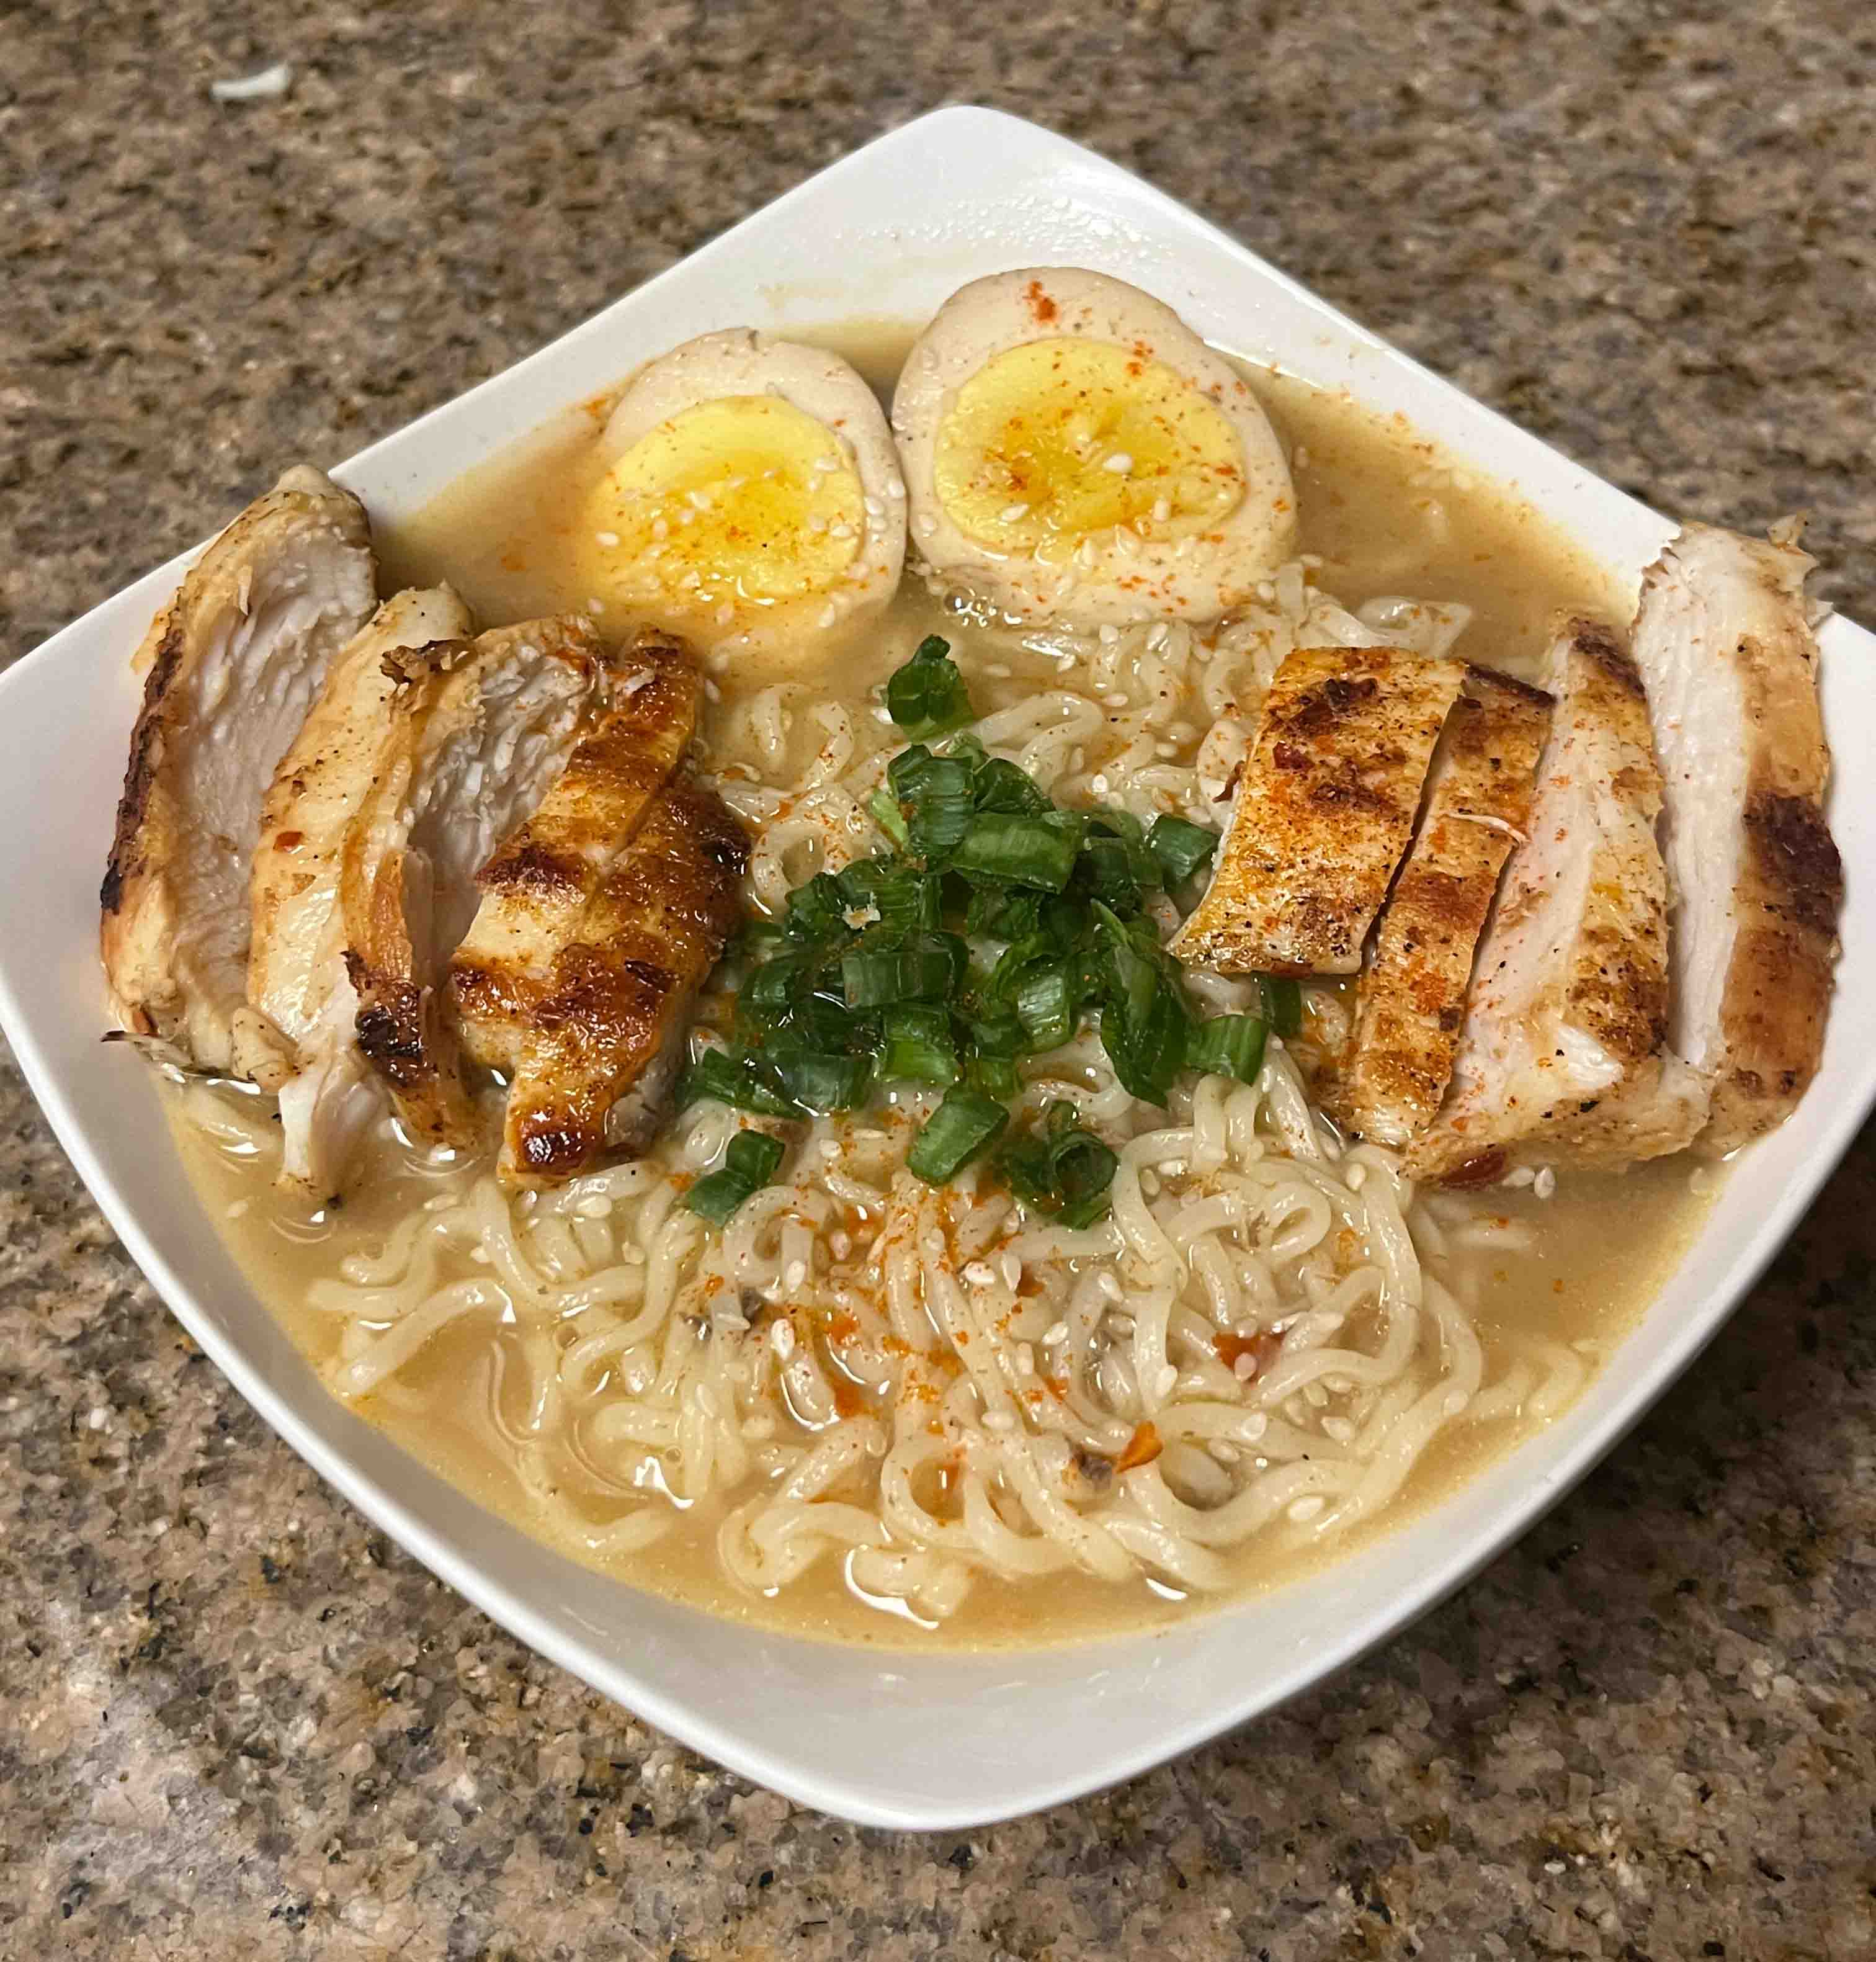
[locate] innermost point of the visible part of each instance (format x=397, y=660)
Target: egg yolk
x=1058, y=440
x=743, y=501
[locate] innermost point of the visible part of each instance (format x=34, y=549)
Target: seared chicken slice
x=1563, y=1046
x=1723, y=642
x=296, y=971
x=535, y=889
x=600, y=918
x=230, y=668
x=1324, y=808
x=1413, y=996
x=478, y=733
x=606, y=1036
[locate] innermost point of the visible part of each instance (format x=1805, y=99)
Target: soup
x=869, y=1408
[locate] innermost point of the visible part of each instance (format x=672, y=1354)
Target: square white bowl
x=905, y=1740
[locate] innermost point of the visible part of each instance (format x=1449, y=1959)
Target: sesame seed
x=1120, y=463
x=609, y=539
x=794, y=1274
x=1165, y=1383
x=998, y=1420
x=1011, y=512
x=980, y=1274
x=1306, y=1510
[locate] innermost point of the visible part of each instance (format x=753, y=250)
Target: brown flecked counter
x=233, y=1719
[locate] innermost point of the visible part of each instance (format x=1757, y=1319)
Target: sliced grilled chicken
x=600, y=917
x=296, y=971
x=1413, y=996
x=1563, y=1048
x=1323, y=811
x=1723, y=642
x=230, y=668
x=535, y=891
x=607, y=1034
x=478, y=733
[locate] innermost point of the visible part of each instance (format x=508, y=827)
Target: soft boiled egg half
x=751, y=496
x=1073, y=453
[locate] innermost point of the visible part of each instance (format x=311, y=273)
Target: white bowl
x=889, y=1739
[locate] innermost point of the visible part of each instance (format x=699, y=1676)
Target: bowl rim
x=507, y=404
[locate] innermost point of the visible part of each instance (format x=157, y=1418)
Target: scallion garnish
x=1060, y=1168
x=729, y=1080
x=1283, y=1004
x=1027, y=850
x=966, y=1122
x=920, y=1045
x=753, y=1158
x=1228, y=1045
x=1180, y=848
x=927, y=695
x=991, y=929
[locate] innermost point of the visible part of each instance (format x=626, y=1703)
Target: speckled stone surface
x=234, y=1721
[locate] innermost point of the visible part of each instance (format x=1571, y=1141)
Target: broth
x=1385, y=514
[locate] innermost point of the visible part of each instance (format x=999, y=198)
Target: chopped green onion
x=772, y=988
x=1109, y=872
x=935, y=793
x=1283, y=1004
x=1148, y=1050
x=717, y=1074
x=1005, y=786
x=1228, y=1045
x=752, y=1160
x=926, y=968
x=820, y=1081
x=883, y=808
x=1003, y=913
x=995, y=1075
x=965, y=1123
x=902, y=897
x=1180, y=848
x=919, y=1047
x=815, y=909
x=1061, y=1167
x=1027, y=851
x=928, y=695
x=1044, y=1005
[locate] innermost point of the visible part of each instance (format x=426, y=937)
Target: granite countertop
x=233, y=1719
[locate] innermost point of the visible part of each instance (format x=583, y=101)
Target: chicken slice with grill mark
x=534, y=891
x=600, y=918
x=296, y=971
x=1563, y=1050
x=606, y=1037
x=478, y=733
x=1324, y=809
x=1723, y=642
x=1413, y=996
x=230, y=670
